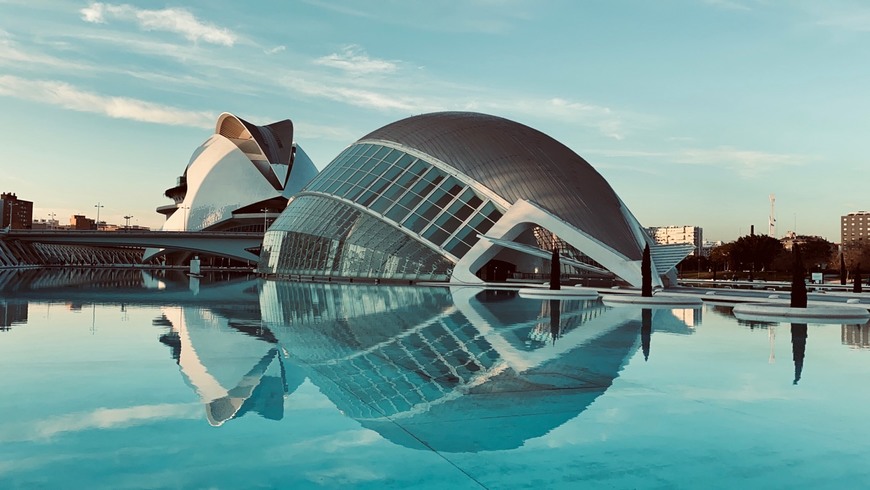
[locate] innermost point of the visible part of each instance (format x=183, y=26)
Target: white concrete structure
x=238, y=180
x=239, y=174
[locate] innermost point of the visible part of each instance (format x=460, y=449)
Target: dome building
x=458, y=196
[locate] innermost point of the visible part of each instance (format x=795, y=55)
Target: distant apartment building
x=708, y=247
x=666, y=235
x=855, y=226
x=15, y=213
x=81, y=222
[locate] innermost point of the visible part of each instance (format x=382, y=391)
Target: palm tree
x=798, y=286
x=646, y=274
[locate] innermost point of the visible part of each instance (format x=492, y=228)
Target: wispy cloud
x=340, y=441
x=478, y=16
x=307, y=131
x=606, y=121
x=69, y=97
x=853, y=18
x=356, y=96
x=353, y=59
x=13, y=55
x=747, y=163
x=102, y=418
x=275, y=50
x=174, y=20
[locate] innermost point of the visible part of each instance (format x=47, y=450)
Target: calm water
x=125, y=380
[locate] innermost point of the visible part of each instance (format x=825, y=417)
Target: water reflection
x=12, y=313
x=646, y=332
x=405, y=360
x=80, y=287
x=857, y=336
x=459, y=370
x=230, y=361
x=798, y=348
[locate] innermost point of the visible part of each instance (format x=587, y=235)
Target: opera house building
x=460, y=197
x=237, y=179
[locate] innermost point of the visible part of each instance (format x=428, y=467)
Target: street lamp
x=127, y=226
x=98, y=206
x=265, y=218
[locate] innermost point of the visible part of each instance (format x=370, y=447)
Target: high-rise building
x=855, y=226
x=15, y=213
x=667, y=235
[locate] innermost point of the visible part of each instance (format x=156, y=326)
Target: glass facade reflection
x=378, y=212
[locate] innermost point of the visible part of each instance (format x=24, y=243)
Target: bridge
x=225, y=244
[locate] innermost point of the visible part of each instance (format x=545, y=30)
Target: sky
x=695, y=111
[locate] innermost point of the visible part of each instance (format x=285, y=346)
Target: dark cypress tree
x=842, y=269
x=798, y=286
x=555, y=271
x=646, y=274
x=856, y=288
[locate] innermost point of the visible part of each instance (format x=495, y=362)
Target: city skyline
x=686, y=107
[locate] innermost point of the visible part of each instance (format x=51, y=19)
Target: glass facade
x=318, y=236
x=441, y=217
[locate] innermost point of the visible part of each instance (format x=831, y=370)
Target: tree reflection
x=798, y=348
x=646, y=331
x=555, y=320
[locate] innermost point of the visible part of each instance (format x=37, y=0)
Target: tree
x=646, y=274
x=755, y=252
x=555, y=271
x=842, y=269
x=816, y=251
x=720, y=256
x=857, y=253
x=798, y=286
x=856, y=288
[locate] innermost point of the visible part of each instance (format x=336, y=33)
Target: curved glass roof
x=518, y=162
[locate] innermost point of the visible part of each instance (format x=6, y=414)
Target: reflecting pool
x=124, y=379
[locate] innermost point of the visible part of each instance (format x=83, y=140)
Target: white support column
x=523, y=215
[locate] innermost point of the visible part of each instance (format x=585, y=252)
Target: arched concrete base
x=569, y=292
x=811, y=314
x=657, y=301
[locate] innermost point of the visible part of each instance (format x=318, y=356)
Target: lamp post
x=265, y=227
x=98, y=206
x=127, y=226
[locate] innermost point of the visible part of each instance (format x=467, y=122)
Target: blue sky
x=695, y=111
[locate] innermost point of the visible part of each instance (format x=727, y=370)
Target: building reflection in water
x=857, y=336
x=12, y=313
x=231, y=362
x=462, y=370
x=798, y=348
